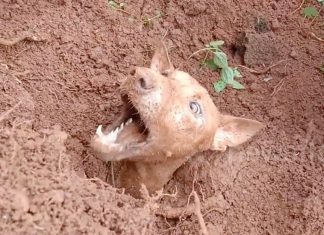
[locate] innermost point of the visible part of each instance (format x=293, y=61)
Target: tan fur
x=175, y=132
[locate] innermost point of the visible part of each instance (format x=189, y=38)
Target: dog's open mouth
x=128, y=128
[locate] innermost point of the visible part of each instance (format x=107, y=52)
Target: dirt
x=61, y=81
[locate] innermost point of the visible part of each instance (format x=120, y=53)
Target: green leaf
x=321, y=68
x=113, y=4
x=321, y=2
x=236, y=85
x=116, y=5
x=310, y=11
x=219, y=86
x=211, y=64
x=220, y=59
x=227, y=75
x=237, y=73
x=216, y=44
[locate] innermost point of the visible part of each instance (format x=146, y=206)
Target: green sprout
x=148, y=21
x=219, y=61
x=321, y=68
x=310, y=11
x=115, y=5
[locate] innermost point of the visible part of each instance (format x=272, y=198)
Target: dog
x=167, y=118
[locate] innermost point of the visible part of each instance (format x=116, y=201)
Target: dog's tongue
x=131, y=134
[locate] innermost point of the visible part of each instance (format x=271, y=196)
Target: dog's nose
x=145, y=83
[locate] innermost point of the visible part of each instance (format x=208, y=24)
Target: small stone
x=293, y=54
x=275, y=25
x=254, y=87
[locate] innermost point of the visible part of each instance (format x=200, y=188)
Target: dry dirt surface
x=61, y=63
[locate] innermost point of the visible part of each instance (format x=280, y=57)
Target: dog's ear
x=161, y=61
x=234, y=131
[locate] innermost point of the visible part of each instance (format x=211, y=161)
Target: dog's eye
x=195, y=107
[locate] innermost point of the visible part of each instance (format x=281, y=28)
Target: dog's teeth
x=129, y=121
x=121, y=127
x=99, y=131
x=111, y=137
x=114, y=137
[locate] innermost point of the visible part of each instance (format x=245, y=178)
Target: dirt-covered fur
x=168, y=117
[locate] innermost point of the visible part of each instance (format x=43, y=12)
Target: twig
x=177, y=212
x=194, y=180
x=126, y=12
x=199, y=215
x=310, y=129
x=11, y=42
x=298, y=8
x=181, y=212
x=147, y=20
x=196, y=52
x=158, y=194
x=277, y=88
x=316, y=37
x=204, y=60
x=112, y=173
x=38, y=227
x=319, y=13
x=55, y=95
x=166, y=32
x=209, y=211
x=19, y=53
x=265, y=70
x=6, y=113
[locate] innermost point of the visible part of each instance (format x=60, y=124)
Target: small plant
x=115, y=5
x=148, y=21
x=310, y=11
x=321, y=68
x=219, y=61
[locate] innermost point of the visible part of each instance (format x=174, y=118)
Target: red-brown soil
x=58, y=84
